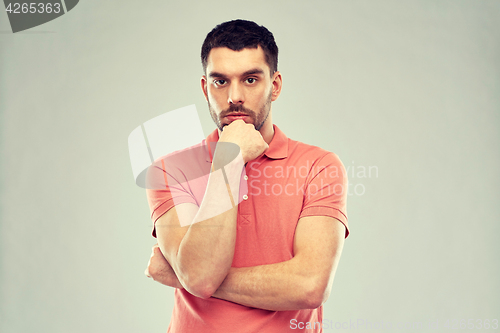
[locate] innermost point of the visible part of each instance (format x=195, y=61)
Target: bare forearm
x=206, y=251
x=303, y=282
x=276, y=287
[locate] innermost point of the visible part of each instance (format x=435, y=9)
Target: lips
x=236, y=115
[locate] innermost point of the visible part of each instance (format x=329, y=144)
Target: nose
x=236, y=95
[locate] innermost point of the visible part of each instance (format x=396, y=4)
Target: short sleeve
x=326, y=190
x=166, y=187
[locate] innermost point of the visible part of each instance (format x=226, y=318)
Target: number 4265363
x=33, y=7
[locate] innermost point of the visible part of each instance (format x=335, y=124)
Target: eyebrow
x=249, y=72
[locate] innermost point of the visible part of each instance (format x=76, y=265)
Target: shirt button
x=245, y=197
x=245, y=177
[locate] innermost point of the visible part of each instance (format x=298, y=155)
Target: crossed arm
x=303, y=282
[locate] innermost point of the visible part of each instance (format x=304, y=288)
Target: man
x=265, y=264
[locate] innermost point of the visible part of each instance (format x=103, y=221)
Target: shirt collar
x=278, y=148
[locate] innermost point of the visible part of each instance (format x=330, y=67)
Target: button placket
x=244, y=208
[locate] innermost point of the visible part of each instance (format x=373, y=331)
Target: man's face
x=238, y=85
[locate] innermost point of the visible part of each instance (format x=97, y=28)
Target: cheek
x=264, y=91
x=215, y=97
x=263, y=96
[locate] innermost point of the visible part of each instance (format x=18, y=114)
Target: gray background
x=410, y=88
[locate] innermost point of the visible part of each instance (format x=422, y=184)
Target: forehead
x=229, y=62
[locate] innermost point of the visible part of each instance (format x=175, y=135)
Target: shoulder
x=304, y=151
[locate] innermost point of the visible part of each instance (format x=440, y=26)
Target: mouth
x=237, y=115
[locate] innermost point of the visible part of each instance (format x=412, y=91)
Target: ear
x=204, y=86
x=277, y=84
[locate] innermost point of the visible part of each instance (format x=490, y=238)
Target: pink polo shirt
x=291, y=180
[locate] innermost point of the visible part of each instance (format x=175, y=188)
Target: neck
x=267, y=130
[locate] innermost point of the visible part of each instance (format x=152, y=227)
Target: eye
x=220, y=82
x=251, y=80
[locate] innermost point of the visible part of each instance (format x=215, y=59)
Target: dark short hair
x=238, y=35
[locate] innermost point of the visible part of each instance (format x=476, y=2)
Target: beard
x=258, y=119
